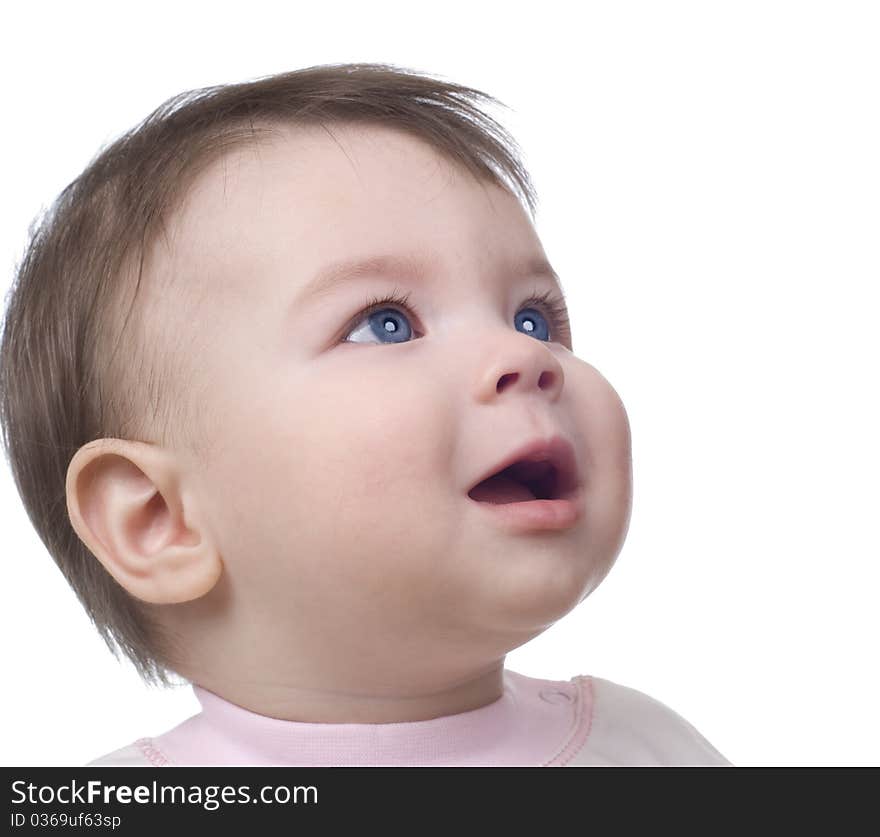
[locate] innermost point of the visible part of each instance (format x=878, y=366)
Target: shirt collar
x=530, y=724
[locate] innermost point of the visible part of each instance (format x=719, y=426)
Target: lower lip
x=537, y=515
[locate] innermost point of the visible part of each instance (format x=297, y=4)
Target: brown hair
x=63, y=379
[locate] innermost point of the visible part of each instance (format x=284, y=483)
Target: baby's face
x=343, y=446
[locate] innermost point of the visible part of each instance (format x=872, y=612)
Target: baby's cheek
x=600, y=418
x=388, y=435
x=602, y=430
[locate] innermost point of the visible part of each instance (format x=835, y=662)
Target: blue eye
x=383, y=321
x=531, y=324
x=390, y=325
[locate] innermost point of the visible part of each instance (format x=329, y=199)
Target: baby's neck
x=291, y=702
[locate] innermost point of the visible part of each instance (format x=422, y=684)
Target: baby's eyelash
x=549, y=302
x=393, y=299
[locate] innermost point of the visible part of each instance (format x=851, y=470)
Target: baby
x=289, y=393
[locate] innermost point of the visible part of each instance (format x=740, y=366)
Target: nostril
x=546, y=380
x=504, y=380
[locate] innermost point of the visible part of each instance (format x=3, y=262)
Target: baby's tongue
x=501, y=489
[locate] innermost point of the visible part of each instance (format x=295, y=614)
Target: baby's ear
x=126, y=504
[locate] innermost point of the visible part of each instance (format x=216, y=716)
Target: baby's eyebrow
x=403, y=267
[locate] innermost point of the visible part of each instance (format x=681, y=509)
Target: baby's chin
x=533, y=604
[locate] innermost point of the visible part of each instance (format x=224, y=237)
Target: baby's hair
x=70, y=373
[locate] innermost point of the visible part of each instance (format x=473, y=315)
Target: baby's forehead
x=297, y=184
x=342, y=156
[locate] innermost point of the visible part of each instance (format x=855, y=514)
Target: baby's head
x=256, y=359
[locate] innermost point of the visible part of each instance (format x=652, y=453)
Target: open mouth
x=540, y=470
x=519, y=483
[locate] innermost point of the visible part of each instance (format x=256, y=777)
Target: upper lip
x=556, y=450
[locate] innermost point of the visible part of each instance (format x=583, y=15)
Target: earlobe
x=125, y=503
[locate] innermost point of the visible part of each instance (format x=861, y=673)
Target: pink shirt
x=549, y=723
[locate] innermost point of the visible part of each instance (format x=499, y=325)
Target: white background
x=709, y=193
